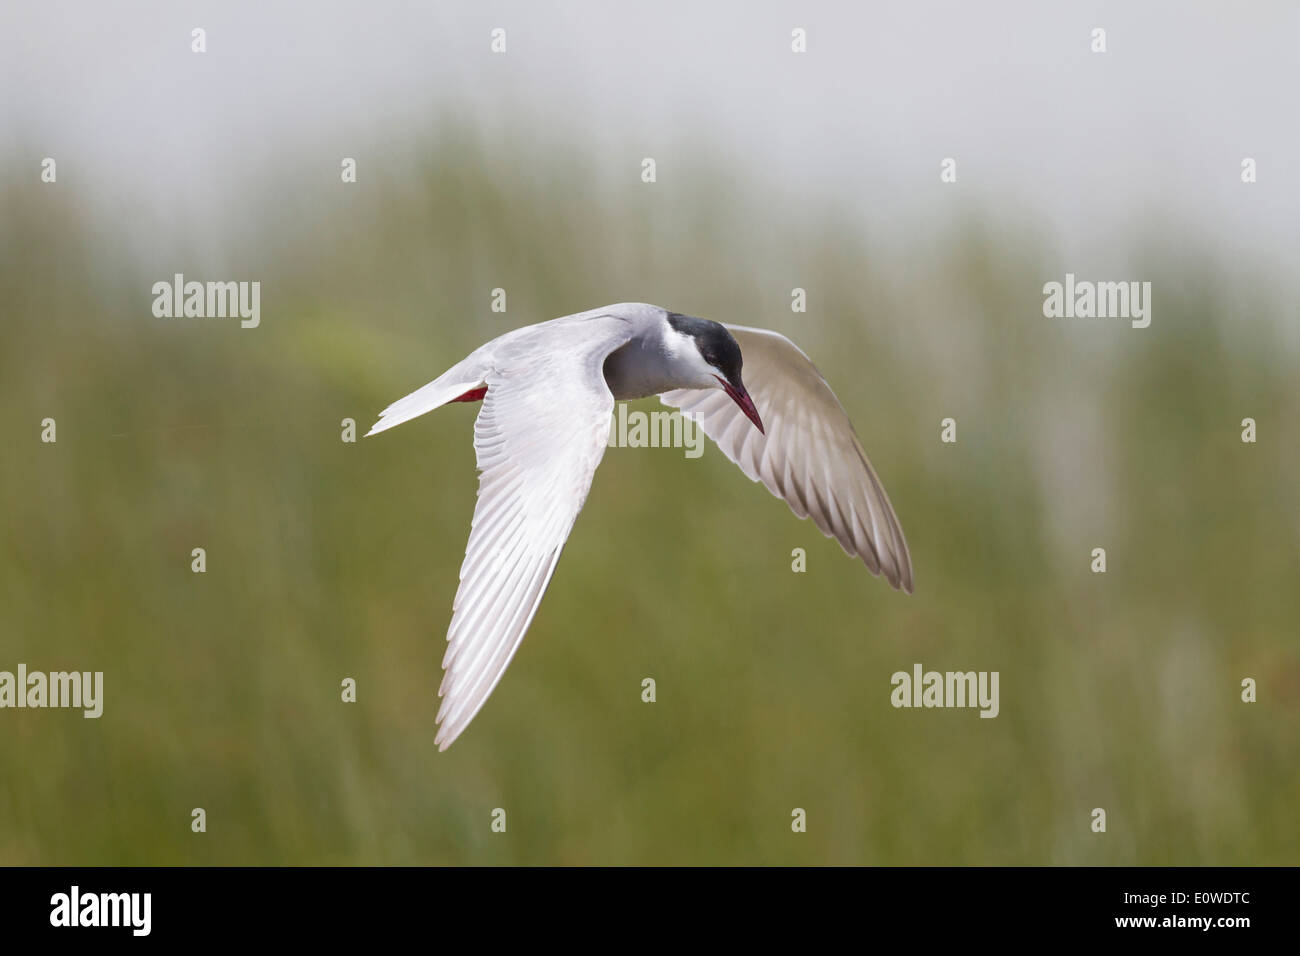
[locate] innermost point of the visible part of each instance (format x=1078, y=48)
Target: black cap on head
x=714, y=342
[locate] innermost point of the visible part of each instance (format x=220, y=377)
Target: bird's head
x=713, y=357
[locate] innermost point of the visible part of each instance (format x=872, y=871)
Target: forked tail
x=460, y=383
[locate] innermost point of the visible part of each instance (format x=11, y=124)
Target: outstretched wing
x=810, y=455
x=539, y=437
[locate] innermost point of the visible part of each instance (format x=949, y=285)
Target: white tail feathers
x=438, y=392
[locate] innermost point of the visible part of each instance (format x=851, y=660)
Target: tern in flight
x=548, y=391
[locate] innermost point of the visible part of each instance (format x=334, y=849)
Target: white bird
x=548, y=391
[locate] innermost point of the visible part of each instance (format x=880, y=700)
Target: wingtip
x=900, y=579
x=904, y=585
x=445, y=738
x=904, y=582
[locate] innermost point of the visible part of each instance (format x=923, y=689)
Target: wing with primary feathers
x=538, y=438
x=810, y=456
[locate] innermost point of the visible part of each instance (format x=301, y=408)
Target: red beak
x=741, y=398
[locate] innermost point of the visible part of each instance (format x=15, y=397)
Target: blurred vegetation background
x=329, y=560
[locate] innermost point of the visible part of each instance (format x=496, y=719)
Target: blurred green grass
x=329, y=560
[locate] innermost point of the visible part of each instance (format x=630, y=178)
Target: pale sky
x=1087, y=146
